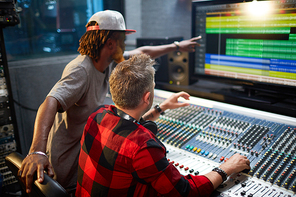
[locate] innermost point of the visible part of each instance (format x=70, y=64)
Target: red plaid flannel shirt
x=122, y=158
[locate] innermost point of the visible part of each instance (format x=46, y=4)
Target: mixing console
x=206, y=133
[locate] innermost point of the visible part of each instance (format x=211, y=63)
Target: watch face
x=157, y=108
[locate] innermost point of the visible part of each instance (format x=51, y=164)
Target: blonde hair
x=131, y=79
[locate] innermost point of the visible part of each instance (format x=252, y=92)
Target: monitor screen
x=251, y=41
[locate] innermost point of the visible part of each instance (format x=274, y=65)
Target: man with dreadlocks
x=82, y=88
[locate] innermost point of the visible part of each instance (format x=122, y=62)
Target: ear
x=111, y=44
x=146, y=97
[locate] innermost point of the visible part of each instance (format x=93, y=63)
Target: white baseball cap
x=109, y=20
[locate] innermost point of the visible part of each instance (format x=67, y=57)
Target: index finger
x=196, y=38
x=185, y=95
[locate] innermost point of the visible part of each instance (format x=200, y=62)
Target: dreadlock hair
x=92, y=42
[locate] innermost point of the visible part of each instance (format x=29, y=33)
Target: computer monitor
x=250, y=43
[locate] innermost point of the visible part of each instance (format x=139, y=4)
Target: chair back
x=48, y=188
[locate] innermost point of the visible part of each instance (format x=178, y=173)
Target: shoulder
x=102, y=109
x=81, y=62
x=145, y=138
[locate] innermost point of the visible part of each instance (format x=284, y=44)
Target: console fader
x=206, y=133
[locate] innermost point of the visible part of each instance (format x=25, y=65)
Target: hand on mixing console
x=31, y=164
x=235, y=164
x=172, y=101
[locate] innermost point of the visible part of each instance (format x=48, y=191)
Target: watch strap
x=159, y=110
x=222, y=173
x=177, y=45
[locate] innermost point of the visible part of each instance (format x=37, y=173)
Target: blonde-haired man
x=120, y=156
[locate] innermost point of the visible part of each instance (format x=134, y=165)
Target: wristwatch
x=157, y=108
x=177, y=45
x=221, y=172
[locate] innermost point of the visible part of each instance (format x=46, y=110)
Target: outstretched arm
x=169, y=103
x=157, y=51
x=38, y=162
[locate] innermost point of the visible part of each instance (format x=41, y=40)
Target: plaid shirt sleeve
x=151, y=166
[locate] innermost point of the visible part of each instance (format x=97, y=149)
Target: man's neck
x=135, y=113
x=101, y=64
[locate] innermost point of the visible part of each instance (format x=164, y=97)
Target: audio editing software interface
x=207, y=133
x=250, y=41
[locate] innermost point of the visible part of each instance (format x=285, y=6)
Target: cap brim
x=130, y=31
x=96, y=27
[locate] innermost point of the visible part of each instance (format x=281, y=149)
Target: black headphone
x=148, y=124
